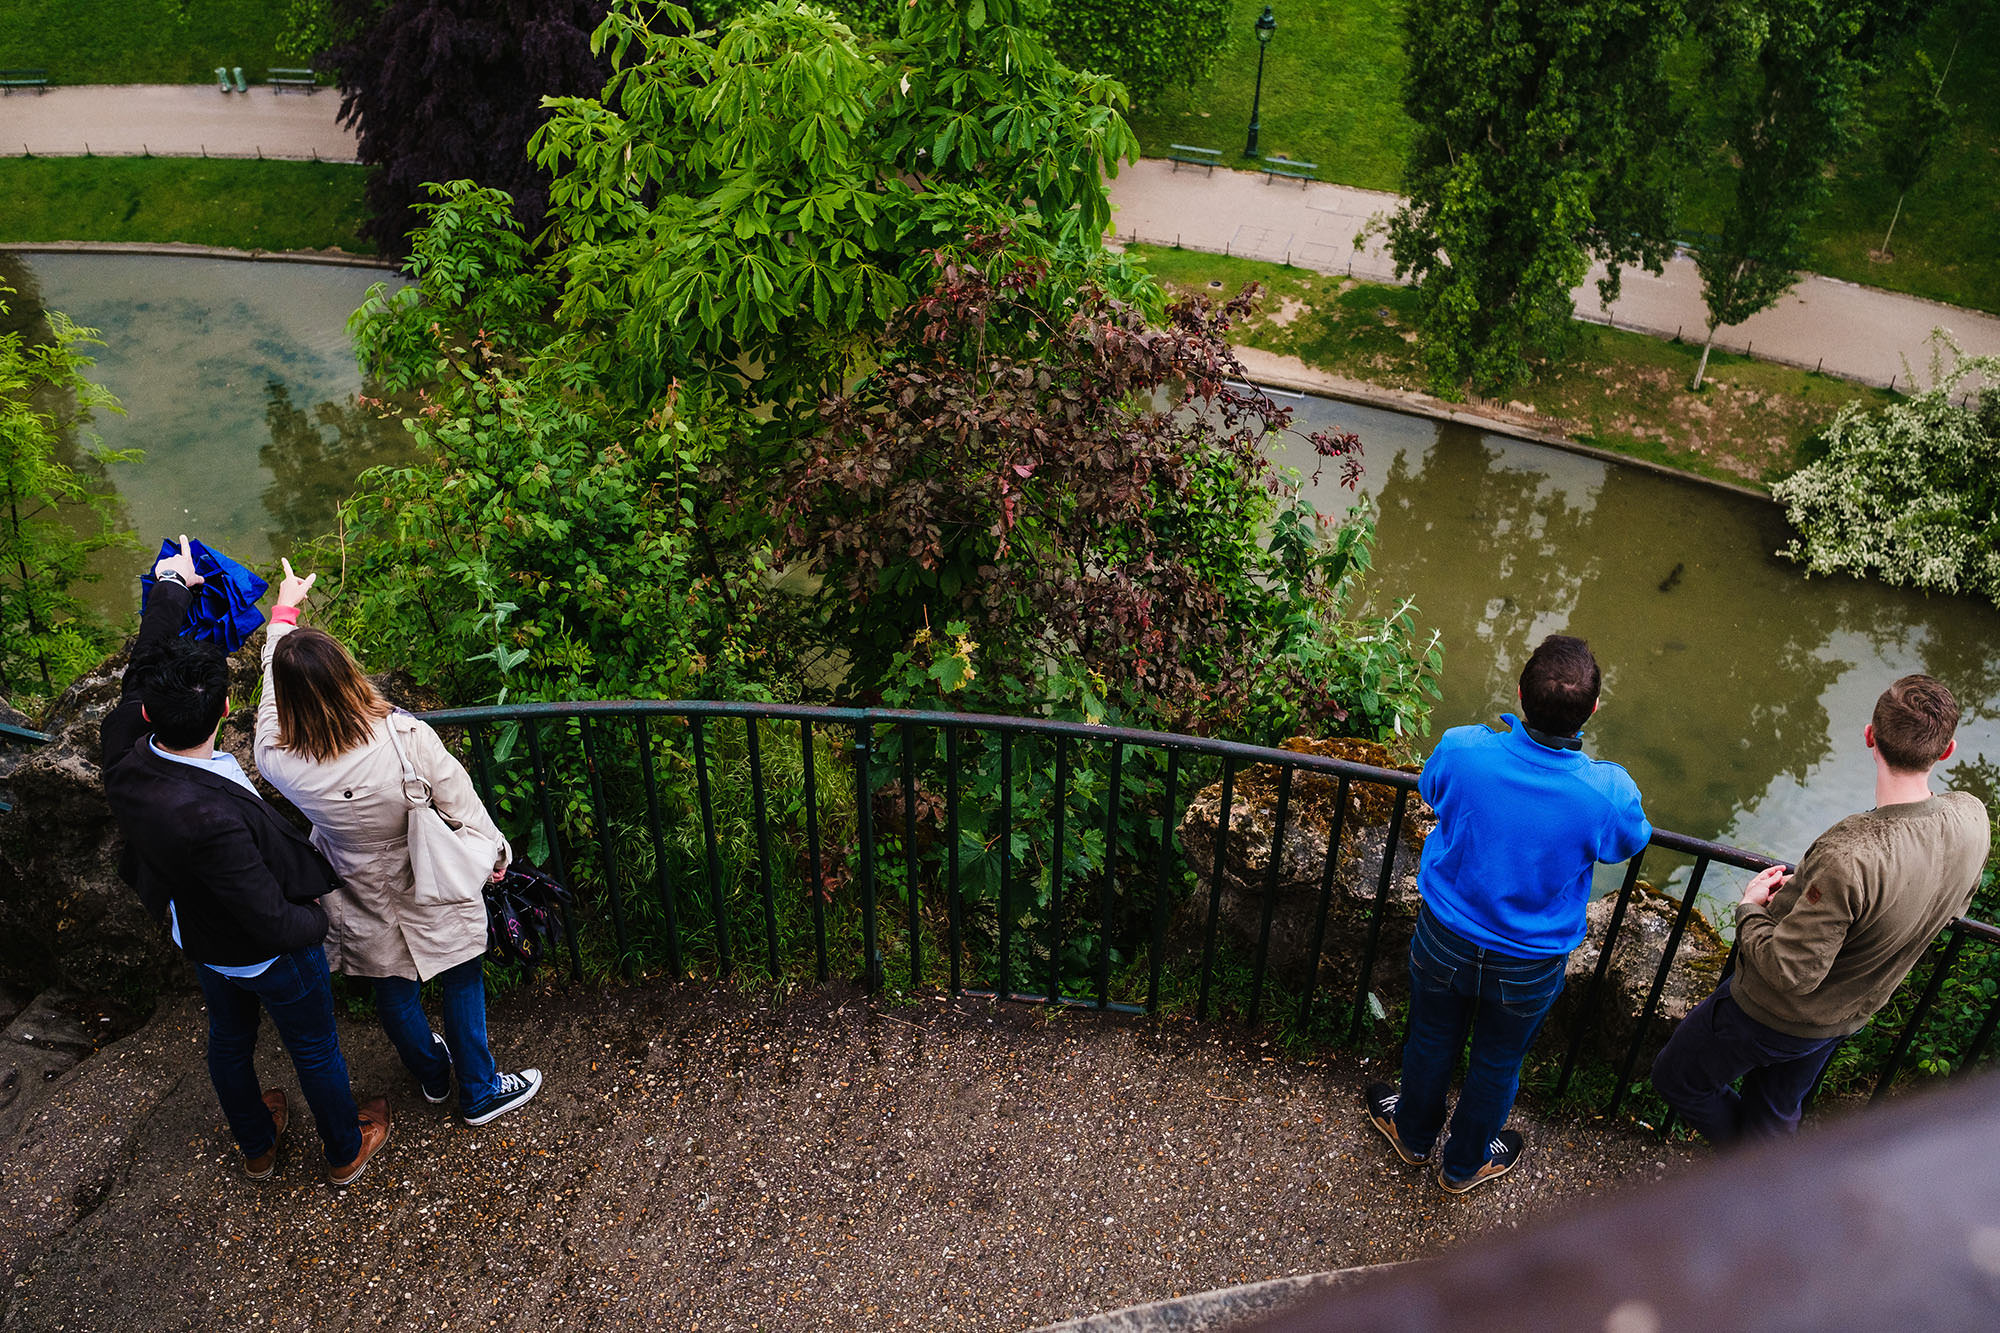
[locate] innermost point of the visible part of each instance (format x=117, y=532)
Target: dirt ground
x=706, y=1160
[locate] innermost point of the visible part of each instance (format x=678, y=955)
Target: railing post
x=1652, y=1004
x=1326, y=878
x=554, y=836
x=756, y=751
x=1589, y=1006
x=1061, y=799
x=1382, y=887
x=660, y=871
x=711, y=847
x=1162, y=882
x=954, y=902
x=606, y=850
x=1218, y=868
x=1004, y=928
x=1901, y=1050
x=816, y=886
x=1270, y=893
x=864, y=824
x=908, y=734
x=1107, y=882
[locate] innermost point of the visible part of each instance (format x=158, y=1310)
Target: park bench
x=1301, y=172
x=1187, y=153
x=301, y=80
x=10, y=79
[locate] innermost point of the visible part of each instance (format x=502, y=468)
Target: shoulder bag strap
x=410, y=774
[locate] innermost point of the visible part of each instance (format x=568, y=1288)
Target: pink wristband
x=284, y=615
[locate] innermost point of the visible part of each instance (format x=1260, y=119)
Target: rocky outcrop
x=1303, y=870
x=1642, y=938
x=1302, y=867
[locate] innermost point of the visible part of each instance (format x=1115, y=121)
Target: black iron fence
x=1038, y=861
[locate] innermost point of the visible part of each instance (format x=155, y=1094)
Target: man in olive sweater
x=1819, y=951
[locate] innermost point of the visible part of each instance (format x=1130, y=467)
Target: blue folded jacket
x=225, y=605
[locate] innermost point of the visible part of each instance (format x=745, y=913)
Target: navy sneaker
x=515, y=1089
x=443, y=1089
x=1382, y=1100
x=1502, y=1153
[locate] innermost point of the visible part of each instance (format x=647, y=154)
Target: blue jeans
x=399, y=1006
x=1716, y=1044
x=294, y=990
x=1454, y=986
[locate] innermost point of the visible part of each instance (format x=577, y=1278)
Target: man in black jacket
x=236, y=886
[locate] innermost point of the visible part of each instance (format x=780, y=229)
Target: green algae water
x=239, y=384
x=1735, y=687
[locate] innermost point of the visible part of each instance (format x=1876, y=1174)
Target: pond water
x=1735, y=688
x=239, y=384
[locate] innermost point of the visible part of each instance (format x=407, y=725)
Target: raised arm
x=166, y=614
x=292, y=593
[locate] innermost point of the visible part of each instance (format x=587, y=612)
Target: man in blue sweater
x=1523, y=817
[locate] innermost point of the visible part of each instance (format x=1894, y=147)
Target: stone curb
x=178, y=250
x=1225, y=1307
x=1273, y=371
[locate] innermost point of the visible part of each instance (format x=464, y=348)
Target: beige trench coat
x=375, y=925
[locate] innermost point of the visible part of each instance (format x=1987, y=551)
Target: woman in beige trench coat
x=324, y=740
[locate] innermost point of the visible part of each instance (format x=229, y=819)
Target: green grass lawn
x=140, y=41
x=1616, y=389
x=203, y=201
x=1333, y=95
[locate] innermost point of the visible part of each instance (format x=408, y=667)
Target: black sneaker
x=1382, y=1100
x=1501, y=1155
x=515, y=1089
x=443, y=1090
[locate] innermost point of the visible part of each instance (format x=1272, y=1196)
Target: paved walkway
x=1860, y=332
x=708, y=1160
x=176, y=120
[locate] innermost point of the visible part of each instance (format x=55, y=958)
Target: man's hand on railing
x=1767, y=882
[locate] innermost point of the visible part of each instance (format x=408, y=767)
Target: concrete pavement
x=1859, y=332
x=176, y=120
x=1862, y=333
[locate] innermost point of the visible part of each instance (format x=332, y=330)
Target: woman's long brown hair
x=326, y=706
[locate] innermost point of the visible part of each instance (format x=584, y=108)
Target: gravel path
x=707, y=1160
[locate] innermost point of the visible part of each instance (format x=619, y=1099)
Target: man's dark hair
x=1559, y=685
x=186, y=693
x=1914, y=720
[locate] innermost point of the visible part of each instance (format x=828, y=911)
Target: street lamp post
x=1267, y=23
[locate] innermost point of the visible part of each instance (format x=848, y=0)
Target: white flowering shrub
x=1909, y=494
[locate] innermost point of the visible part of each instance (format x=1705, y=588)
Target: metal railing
x=1023, y=932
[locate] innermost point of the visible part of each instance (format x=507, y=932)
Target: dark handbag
x=525, y=912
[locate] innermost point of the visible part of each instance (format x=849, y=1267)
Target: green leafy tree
x=1792, y=70
x=1146, y=46
x=1545, y=137
x=52, y=520
x=1910, y=493
x=1911, y=140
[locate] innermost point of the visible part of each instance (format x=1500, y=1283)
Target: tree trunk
x=1892, y=225
x=1702, y=369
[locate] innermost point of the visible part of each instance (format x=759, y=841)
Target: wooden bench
x=1179, y=153
x=299, y=80
x=1301, y=172
x=11, y=79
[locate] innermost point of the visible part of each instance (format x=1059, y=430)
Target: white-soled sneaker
x=1503, y=1152
x=515, y=1090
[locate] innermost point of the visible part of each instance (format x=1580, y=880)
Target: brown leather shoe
x=261, y=1166
x=374, y=1123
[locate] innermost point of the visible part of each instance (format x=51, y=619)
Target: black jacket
x=244, y=883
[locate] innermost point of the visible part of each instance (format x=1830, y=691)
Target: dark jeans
x=294, y=989
x=1718, y=1043
x=399, y=1006
x=1454, y=986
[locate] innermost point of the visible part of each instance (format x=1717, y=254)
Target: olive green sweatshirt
x=1872, y=892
